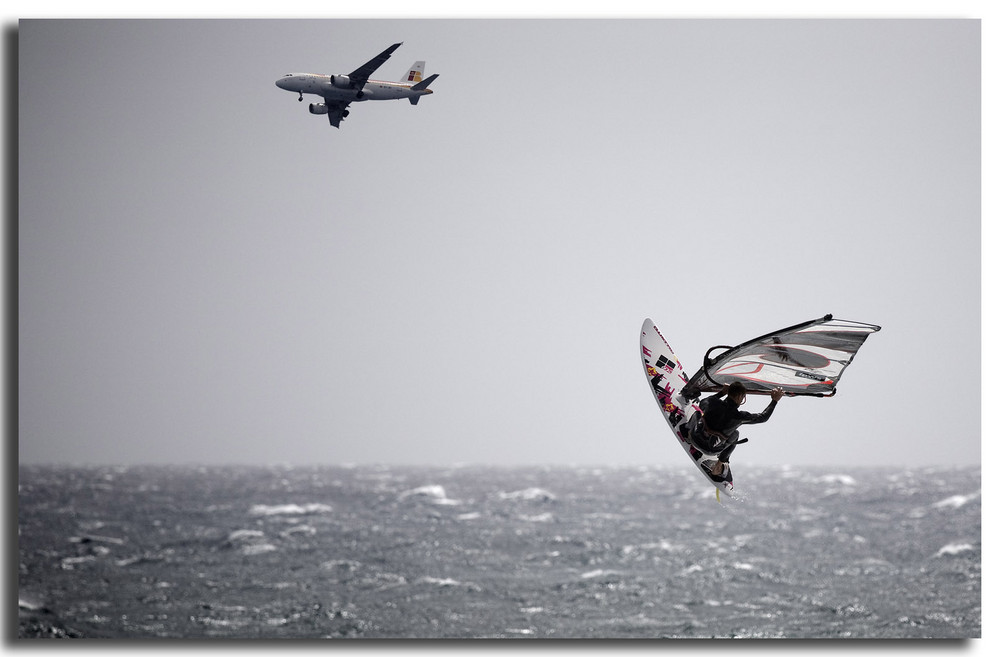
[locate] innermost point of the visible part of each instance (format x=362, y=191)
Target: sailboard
x=806, y=359
x=666, y=378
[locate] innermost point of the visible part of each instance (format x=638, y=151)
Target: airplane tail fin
x=415, y=74
x=420, y=86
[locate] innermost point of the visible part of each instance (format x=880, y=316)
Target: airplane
x=339, y=91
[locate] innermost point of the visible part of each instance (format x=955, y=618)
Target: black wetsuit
x=724, y=416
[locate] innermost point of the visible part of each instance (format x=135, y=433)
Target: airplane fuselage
x=323, y=85
x=339, y=91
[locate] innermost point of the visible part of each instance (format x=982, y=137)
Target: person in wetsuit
x=716, y=431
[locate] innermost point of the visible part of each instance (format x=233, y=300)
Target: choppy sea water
x=477, y=552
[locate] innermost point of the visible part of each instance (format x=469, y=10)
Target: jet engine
x=341, y=82
x=318, y=108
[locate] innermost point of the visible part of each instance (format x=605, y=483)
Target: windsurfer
x=716, y=429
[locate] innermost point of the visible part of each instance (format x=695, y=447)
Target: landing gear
x=300, y=96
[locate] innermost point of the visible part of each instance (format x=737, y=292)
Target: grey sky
x=208, y=273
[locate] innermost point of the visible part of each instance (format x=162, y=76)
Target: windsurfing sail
x=805, y=359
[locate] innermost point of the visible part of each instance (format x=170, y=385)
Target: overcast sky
x=210, y=274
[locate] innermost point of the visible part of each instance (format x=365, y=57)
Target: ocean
x=469, y=552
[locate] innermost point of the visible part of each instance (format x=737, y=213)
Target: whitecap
x=541, y=517
x=439, y=581
x=69, y=563
x=954, y=548
x=844, y=479
x=308, y=530
x=141, y=558
x=289, y=509
x=532, y=494
x=447, y=582
x=219, y=622
x=641, y=620
x=956, y=501
x=244, y=535
x=431, y=490
x=382, y=581
x=475, y=515
x=250, y=541
x=341, y=564
x=434, y=492
x=662, y=544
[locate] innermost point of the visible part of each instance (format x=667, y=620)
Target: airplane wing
x=362, y=74
x=336, y=112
